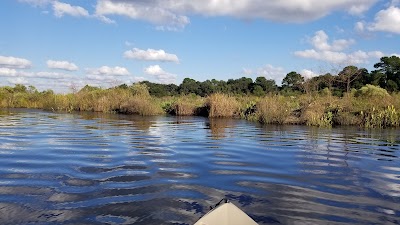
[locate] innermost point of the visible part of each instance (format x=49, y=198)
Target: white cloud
x=268, y=71
x=152, y=11
x=51, y=75
x=359, y=27
x=136, y=79
x=104, y=19
x=151, y=55
x=17, y=80
x=320, y=42
x=62, y=65
x=160, y=74
x=13, y=62
x=173, y=13
x=7, y=72
x=109, y=71
x=61, y=8
x=334, y=53
x=387, y=20
x=308, y=74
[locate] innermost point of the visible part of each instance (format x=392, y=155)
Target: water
x=111, y=169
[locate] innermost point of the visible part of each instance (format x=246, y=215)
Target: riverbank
x=370, y=106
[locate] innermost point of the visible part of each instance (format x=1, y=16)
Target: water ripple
x=114, y=169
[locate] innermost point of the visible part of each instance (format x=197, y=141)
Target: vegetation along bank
x=354, y=96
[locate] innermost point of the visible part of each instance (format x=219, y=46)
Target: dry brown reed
x=274, y=109
x=222, y=105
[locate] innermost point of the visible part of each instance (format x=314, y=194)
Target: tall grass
x=187, y=105
x=370, y=106
x=222, y=105
x=140, y=106
x=274, y=109
x=140, y=102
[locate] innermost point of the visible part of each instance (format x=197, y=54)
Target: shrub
x=317, y=113
x=389, y=117
x=371, y=91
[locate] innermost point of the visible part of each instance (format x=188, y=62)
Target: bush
x=316, y=114
x=371, y=91
x=389, y=117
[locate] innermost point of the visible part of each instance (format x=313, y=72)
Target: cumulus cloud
x=13, y=62
x=268, y=71
x=334, y=52
x=320, y=42
x=155, y=12
x=7, y=72
x=308, y=74
x=160, y=74
x=61, y=8
x=109, y=71
x=106, y=76
x=173, y=13
x=62, y=65
x=151, y=55
x=387, y=20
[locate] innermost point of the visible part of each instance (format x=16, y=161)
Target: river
x=58, y=168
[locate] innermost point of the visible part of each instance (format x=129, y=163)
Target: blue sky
x=66, y=44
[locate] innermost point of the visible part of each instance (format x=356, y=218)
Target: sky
x=65, y=44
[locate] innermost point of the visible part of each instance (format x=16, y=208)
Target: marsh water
x=91, y=168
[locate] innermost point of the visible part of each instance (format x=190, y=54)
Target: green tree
x=258, y=90
x=268, y=86
x=20, y=88
x=206, y=88
x=189, y=86
x=293, y=81
x=241, y=85
x=387, y=74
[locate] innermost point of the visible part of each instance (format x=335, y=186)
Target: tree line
x=386, y=75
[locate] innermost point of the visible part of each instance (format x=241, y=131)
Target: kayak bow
x=226, y=214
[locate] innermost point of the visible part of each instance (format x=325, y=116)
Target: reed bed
x=222, y=105
x=274, y=110
x=369, y=107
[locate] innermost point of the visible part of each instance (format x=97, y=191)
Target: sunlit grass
x=369, y=107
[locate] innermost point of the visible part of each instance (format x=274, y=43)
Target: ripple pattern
x=113, y=169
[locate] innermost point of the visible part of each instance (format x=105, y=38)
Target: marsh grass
x=370, y=106
x=222, y=105
x=187, y=105
x=274, y=109
x=140, y=106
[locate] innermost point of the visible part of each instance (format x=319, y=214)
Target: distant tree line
x=385, y=75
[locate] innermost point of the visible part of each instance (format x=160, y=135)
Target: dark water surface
x=110, y=169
